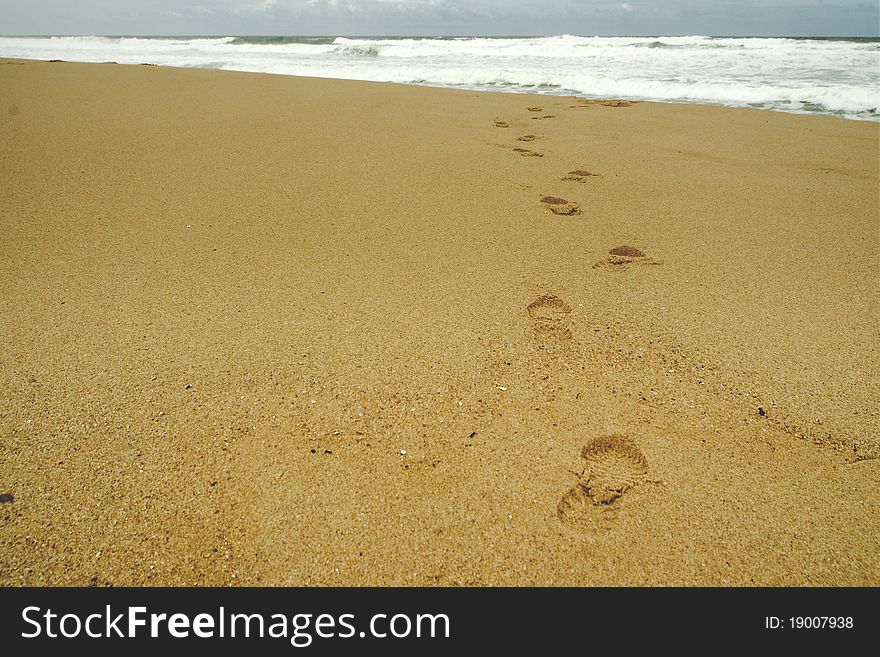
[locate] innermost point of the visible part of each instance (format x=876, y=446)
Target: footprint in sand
x=560, y=206
x=535, y=109
x=589, y=102
x=622, y=257
x=501, y=124
x=525, y=152
x=613, y=465
x=579, y=175
x=551, y=317
x=526, y=138
x=541, y=118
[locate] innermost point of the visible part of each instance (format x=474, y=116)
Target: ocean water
x=834, y=76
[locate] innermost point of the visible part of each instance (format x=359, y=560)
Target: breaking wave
x=827, y=76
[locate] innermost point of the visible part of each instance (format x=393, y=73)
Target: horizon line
x=449, y=36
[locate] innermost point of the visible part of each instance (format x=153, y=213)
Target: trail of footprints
x=557, y=205
x=620, y=258
x=612, y=465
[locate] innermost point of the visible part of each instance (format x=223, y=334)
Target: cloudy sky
x=441, y=17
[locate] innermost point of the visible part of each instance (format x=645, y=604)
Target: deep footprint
x=627, y=251
x=550, y=317
x=622, y=257
x=525, y=152
x=613, y=465
x=501, y=124
x=535, y=109
x=548, y=307
x=526, y=138
x=589, y=102
x=579, y=175
x=560, y=206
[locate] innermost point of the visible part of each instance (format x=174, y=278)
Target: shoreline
x=875, y=119
x=269, y=330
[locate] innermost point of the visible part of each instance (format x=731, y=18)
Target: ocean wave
x=831, y=76
x=359, y=50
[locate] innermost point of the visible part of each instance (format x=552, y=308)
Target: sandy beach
x=267, y=330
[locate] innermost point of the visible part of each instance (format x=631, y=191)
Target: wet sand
x=269, y=330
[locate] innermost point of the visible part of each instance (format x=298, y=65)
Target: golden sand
x=267, y=330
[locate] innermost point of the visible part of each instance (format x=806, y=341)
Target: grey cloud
x=441, y=17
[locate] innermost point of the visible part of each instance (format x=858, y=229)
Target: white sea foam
x=831, y=76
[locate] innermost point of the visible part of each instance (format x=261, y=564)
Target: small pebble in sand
x=761, y=411
x=6, y=498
